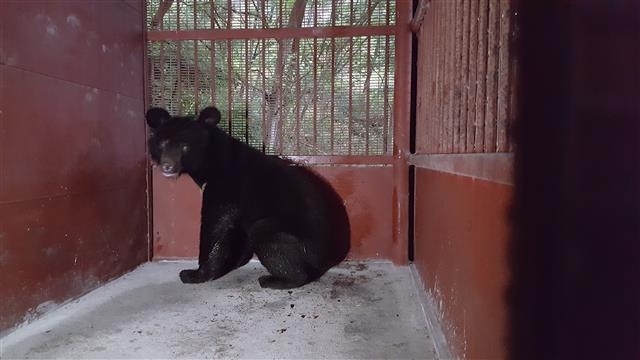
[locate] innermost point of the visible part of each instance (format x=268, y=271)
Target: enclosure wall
x=349, y=50
x=463, y=168
x=460, y=253
x=370, y=216
x=73, y=208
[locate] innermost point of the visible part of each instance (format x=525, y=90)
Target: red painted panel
x=55, y=248
x=460, y=251
x=85, y=42
x=176, y=217
x=73, y=209
x=79, y=139
x=365, y=190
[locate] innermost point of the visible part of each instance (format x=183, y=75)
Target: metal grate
x=288, y=96
x=465, y=77
x=265, y=14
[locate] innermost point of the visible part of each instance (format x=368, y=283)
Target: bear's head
x=178, y=144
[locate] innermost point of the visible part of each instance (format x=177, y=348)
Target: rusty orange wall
x=73, y=208
x=460, y=252
x=367, y=192
x=464, y=96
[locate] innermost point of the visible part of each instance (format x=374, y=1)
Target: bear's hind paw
x=193, y=276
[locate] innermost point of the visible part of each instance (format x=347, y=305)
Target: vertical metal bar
x=367, y=98
x=195, y=14
x=435, y=105
x=230, y=86
x=473, y=55
x=265, y=91
x=333, y=92
x=367, y=94
x=315, y=13
x=161, y=67
x=452, y=74
x=481, y=77
x=178, y=15
x=246, y=75
x=297, y=90
x=350, y=140
x=315, y=81
x=448, y=44
x=246, y=14
x=147, y=103
x=265, y=94
x=433, y=70
x=444, y=66
x=281, y=112
x=504, y=77
x=458, y=76
x=229, y=70
x=333, y=15
x=196, y=76
x=402, y=103
x=492, y=72
x=385, y=111
x=179, y=61
x=196, y=69
x=513, y=84
x=315, y=95
x=196, y=79
x=246, y=112
x=428, y=67
x=439, y=55
x=280, y=102
x=449, y=69
x=212, y=51
x=464, y=69
x=281, y=137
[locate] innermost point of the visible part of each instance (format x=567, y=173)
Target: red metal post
x=401, y=107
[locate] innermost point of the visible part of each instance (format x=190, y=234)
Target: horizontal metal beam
x=342, y=160
x=285, y=33
x=495, y=167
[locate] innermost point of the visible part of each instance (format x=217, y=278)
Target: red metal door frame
x=398, y=249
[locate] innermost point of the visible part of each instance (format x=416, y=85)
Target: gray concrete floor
x=363, y=310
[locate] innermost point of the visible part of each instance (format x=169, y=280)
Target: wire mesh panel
x=465, y=77
x=265, y=14
x=289, y=94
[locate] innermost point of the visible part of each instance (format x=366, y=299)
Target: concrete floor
x=367, y=310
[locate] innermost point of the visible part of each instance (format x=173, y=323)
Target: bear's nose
x=167, y=168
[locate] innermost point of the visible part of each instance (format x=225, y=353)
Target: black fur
x=252, y=203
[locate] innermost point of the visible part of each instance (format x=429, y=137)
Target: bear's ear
x=156, y=117
x=210, y=116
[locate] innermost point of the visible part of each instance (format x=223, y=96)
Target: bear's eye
x=185, y=148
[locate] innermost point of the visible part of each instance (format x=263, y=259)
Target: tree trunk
x=276, y=99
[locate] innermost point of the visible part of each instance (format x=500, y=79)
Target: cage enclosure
x=404, y=107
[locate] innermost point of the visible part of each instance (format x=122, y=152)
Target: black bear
x=287, y=216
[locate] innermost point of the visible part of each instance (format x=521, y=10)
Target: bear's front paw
x=192, y=276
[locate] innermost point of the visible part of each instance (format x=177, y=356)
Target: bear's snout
x=168, y=168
